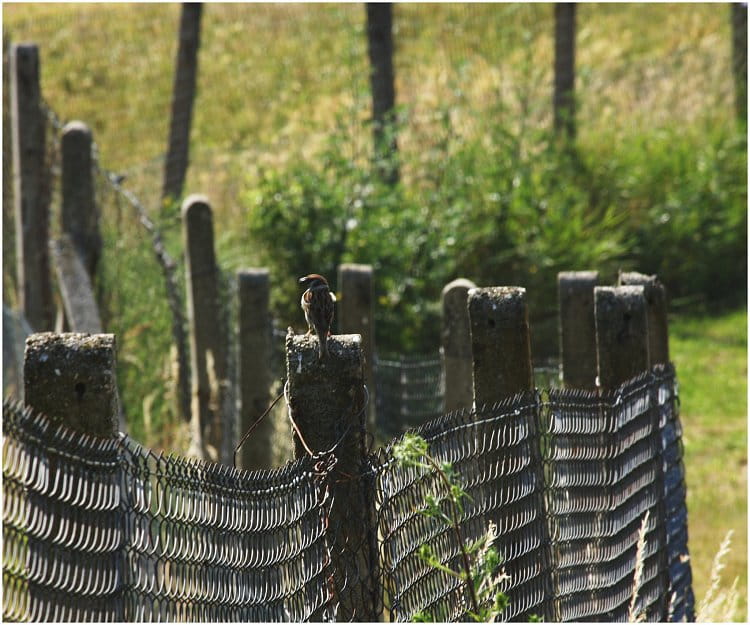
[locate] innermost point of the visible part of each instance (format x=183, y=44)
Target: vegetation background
x=281, y=145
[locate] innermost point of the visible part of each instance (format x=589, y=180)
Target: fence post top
x=634, y=278
x=25, y=48
x=342, y=345
x=356, y=267
x=195, y=202
x=496, y=294
x=459, y=283
x=76, y=126
x=255, y=274
x=72, y=340
x=625, y=293
x=577, y=276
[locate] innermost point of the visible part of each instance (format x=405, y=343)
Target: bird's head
x=313, y=281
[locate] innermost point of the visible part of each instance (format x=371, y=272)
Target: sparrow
x=317, y=304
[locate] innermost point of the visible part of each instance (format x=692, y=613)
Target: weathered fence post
x=456, y=343
x=656, y=305
x=565, y=46
x=327, y=402
x=356, y=316
x=380, y=52
x=502, y=368
x=621, y=334
x=30, y=188
x=500, y=343
x=739, y=58
x=76, y=290
x=254, y=362
x=208, y=353
x=183, y=94
x=72, y=377
x=79, y=215
x=577, y=328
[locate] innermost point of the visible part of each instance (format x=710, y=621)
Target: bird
x=317, y=304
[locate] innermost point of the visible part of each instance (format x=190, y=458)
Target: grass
x=710, y=355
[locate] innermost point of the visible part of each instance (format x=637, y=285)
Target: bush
x=507, y=207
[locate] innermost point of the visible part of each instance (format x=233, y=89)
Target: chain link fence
x=104, y=529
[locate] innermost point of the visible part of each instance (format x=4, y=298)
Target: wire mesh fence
x=104, y=529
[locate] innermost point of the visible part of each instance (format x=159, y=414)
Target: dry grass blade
x=719, y=605
x=634, y=614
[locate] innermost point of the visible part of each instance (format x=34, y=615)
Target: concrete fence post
x=500, y=343
x=72, y=377
x=621, y=334
x=253, y=287
x=208, y=352
x=326, y=401
x=183, y=95
x=456, y=344
x=501, y=358
x=76, y=290
x=30, y=188
x=80, y=217
x=656, y=305
x=577, y=328
x=356, y=316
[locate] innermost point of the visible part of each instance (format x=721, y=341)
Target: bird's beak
x=303, y=279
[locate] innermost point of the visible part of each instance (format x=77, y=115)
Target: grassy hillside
x=280, y=124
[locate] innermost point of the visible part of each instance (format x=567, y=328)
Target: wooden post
x=356, y=316
x=565, y=46
x=72, y=377
x=254, y=361
x=456, y=340
x=380, y=51
x=500, y=344
x=183, y=95
x=208, y=359
x=30, y=188
x=739, y=58
x=80, y=217
x=577, y=328
x=326, y=401
x=76, y=290
x=621, y=334
x=656, y=303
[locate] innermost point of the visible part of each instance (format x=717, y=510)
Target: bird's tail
x=322, y=346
